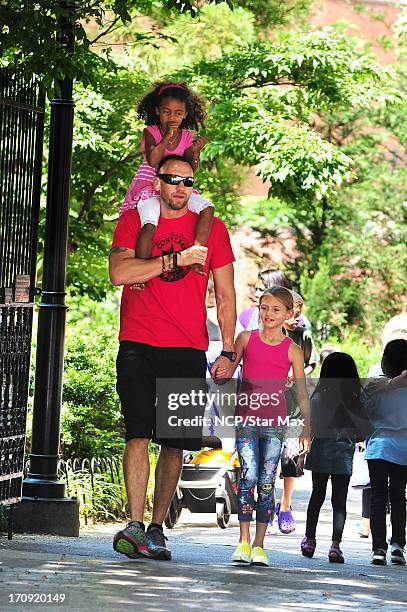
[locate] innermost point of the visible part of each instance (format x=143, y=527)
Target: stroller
x=208, y=483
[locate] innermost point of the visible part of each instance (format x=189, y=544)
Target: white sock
x=149, y=211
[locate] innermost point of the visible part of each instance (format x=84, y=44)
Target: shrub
x=91, y=417
x=366, y=352
x=99, y=485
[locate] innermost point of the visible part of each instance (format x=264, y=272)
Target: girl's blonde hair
x=282, y=294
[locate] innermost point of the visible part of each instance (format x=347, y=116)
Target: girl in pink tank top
x=169, y=110
x=268, y=354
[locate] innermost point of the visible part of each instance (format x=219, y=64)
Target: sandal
x=335, y=555
x=308, y=547
x=286, y=522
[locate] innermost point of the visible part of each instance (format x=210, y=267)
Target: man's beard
x=177, y=205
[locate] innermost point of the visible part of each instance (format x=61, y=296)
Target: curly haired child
x=170, y=111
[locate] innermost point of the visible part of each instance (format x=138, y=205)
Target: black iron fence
x=21, y=140
x=97, y=483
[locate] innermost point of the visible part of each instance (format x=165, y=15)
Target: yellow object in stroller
x=208, y=483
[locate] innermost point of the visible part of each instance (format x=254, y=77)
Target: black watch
x=231, y=355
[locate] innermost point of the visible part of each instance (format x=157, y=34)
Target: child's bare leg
x=289, y=484
x=145, y=241
x=149, y=212
x=204, y=224
x=245, y=531
x=260, y=533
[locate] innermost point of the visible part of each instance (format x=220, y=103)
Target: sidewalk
x=93, y=577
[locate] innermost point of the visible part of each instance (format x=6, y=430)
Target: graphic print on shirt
x=166, y=245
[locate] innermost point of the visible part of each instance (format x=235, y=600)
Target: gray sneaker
x=397, y=556
x=379, y=557
x=131, y=541
x=157, y=546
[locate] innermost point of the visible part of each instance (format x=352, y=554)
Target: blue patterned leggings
x=259, y=450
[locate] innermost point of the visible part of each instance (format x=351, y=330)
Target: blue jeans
x=259, y=450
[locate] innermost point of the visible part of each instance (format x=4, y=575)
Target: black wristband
x=175, y=259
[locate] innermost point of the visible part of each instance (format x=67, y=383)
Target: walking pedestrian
x=268, y=354
x=163, y=335
x=386, y=453
x=334, y=403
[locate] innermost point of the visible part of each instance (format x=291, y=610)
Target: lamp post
x=57, y=514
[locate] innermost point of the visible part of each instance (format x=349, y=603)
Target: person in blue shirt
x=386, y=452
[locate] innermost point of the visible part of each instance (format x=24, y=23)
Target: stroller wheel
x=173, y=513
x=222, y=515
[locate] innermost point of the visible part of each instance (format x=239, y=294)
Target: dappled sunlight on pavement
x=94, y=577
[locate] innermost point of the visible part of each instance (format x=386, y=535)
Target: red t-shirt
x=170, y=311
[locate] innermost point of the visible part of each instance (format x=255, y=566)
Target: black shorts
x=144, y=400
x=289, y=467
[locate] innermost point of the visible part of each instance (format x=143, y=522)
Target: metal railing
x=98, y=484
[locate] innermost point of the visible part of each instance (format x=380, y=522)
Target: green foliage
x=99, y=498
x=105, y=155
x=294, y=107
x=28, y=33
x=400, y=26
x=277, y=12
x=91, y=418
x=217, y=30
x=330, y=296
x=252, y=121
x=366, y=351
x=100, y=488
x=254, y=124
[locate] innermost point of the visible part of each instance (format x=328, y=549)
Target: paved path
x=93, y=577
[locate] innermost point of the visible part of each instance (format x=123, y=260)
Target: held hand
x=221, y=370
x=194, y=255
x=198, y=268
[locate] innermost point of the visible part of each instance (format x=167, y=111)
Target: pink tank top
x=146, y=173
x=263, y=360
x=265, y=371
x=142, y=184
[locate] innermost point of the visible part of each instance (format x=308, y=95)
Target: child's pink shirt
x=141, y=187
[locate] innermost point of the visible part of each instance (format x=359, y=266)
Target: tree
x=264, y=97
x=28, y=33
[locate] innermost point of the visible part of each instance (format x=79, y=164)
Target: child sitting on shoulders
x=170, y=111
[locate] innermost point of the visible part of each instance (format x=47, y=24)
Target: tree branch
x=258, y=84
x=92, y=189
x=109, y=29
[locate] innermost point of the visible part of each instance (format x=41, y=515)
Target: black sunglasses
x=174, y=179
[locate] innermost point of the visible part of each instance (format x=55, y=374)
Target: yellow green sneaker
x=242, y=553
x=259, y=556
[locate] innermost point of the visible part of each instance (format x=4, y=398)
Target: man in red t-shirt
x=163, y=336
